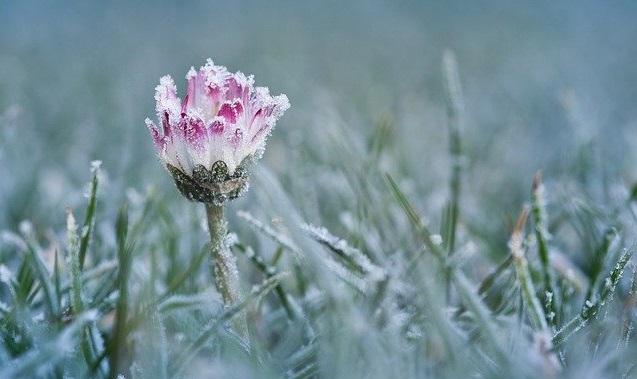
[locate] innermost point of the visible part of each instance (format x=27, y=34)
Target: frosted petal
x=223, y=117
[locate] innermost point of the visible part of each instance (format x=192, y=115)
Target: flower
x=208, y=141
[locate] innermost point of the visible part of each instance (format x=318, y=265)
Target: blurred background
x=541, y=80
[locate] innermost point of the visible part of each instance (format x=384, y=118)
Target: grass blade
x=189, y=353
x=590, y=309
x=415, y=220
x=277, y=237
x=89, y=221
x=354, y=258
x=51, y=352
x=524, y=275
x=538, y=212
x=454, y=115
x=465, y=288
x=268, y=271
x=610, y=240
x=118, y=344
x=77, y=288
x=42, y=274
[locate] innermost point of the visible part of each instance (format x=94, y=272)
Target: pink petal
x=158, y=140
x=238, y=108
x=231, y=111
x=262, y=132
x=166, y=95
x=256, y=116
x=264, y=119
x=184, y=106
x=194, y=131
x=214, y=93
x=214, y=78
x=236, y=137
x=238, y=86
x=216, y=127
x=226, y=112
x=259, y=119
x=165, y=123
x=234, y=90
x=195, y=92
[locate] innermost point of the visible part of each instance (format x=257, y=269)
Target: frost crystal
x=5, y=275
x=95, y=165
x=231, y=239
x=208, y=141
x=26, y=228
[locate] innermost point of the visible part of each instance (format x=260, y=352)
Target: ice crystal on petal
x=223, y=121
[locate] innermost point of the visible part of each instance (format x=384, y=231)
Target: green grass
x=381, y=296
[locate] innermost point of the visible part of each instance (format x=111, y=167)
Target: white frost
x=6, y=276
x=436, y=239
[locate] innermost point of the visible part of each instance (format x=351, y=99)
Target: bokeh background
x=541, y=79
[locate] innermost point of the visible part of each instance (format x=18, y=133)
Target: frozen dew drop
x=436, y=239
x=26, y=228
x=96, y=165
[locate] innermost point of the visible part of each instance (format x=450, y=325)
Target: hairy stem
x=224, y=264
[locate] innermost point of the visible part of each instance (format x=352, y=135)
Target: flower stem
x=224, y=264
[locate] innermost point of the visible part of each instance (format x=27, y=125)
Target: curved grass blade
x=590, y=309
x=89, y=220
